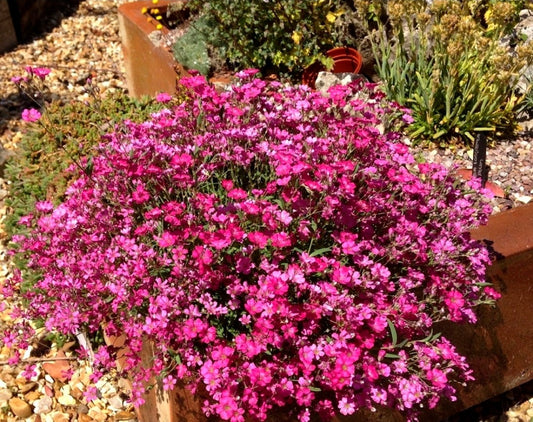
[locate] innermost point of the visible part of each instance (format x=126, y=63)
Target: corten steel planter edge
x=150, y=69
x=498, y=347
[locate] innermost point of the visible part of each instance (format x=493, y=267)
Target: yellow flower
x=159, y=26
x=296, y=37
x=332, y=17
x=155, y=1
x=144, y=10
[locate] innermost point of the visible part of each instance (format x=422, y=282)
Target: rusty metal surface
x=150, y=69
x=508, y=232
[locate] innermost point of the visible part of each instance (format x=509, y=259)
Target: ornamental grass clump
x=273, y=246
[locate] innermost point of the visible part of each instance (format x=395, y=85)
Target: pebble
x=20, y=408
x=43, y=405
x=125, y=416
x=27, y=386
x=32, y=396
x=66, y=400
x=5, y=395
x=115, y=402
x=59, y=417
x=97, y=414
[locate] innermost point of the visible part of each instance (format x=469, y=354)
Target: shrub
x=451, y=70
x=273, y=245
x=280, y=37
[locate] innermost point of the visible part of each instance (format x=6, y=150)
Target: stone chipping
x=83, y=42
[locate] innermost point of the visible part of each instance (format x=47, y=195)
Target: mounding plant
x=275, y=248
x=275, y=37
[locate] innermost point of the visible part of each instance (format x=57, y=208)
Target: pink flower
x=41, y=72
x=407, y=118
x=258, y=238
x=437, y=377
x=166, y=240
x=140, y=195
x=163, y=97
x=454, y=300
x=280, y=240
x=31, y=115
x=237, y=194
x=247, y=73
x=91, y=394
x=346, y=407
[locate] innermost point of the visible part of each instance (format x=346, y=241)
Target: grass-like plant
x=451, y=70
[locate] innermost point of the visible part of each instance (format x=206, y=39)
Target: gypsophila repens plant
x=273, y=246
x=450, y=67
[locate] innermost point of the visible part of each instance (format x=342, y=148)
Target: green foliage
x=38, y=169
x=450, y=70
x=284, y=37
x=525, y=105
x=191, y=49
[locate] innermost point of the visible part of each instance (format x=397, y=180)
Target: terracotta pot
x=345, y=60
x=343, y=52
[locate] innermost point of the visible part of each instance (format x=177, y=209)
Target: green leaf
x=321, y=251
x=392, y=356
x=393, y=333
x=89, y=166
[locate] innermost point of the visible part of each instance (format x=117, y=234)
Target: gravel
x=82, y=41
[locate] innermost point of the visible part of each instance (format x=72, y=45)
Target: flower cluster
x=273, y=246
x=33, y=87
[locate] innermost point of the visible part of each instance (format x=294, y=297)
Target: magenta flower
x=31, y=115
x=163, y=97
x=41, y=72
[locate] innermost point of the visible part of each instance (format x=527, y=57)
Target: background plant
x=282, y=37
x=276, y=248
x=193, y=50
x=451, y=69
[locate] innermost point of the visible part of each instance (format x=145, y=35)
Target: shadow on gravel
x=34, y=18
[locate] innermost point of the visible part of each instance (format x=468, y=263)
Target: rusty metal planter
x=150, y=69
